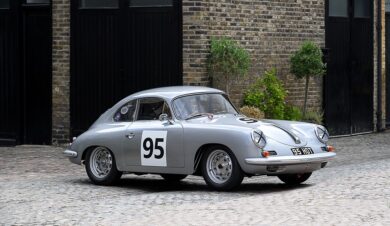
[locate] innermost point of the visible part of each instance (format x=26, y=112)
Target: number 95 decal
x=153, y=148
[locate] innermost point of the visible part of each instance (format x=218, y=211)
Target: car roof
x=173, y=91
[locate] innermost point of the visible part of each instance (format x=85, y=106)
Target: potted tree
x=227, y=61
x=306, y=63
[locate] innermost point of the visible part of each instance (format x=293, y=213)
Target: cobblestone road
x=39, y=186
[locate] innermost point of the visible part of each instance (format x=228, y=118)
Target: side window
x=338, y=8
x=98, y=4
x=126, y=112
x=4, y=4
x=152, y=108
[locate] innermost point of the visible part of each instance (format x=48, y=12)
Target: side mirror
x=164, y=118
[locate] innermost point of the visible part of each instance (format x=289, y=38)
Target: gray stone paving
x=38, y=186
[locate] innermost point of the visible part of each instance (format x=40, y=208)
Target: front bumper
x=70, y=153
x=291, y=160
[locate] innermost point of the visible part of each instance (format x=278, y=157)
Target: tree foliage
x=306, y=63
x=227, y=60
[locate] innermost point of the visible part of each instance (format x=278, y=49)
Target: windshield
x=202, y=104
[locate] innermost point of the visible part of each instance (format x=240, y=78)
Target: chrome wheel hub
x=101, y=162
x=219, y=166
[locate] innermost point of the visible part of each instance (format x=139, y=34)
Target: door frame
x=350, y=18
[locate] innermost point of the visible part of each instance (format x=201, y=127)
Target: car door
x=154, y=145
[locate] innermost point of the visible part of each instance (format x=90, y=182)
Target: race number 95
x=153, y=148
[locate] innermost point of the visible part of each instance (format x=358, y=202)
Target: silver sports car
x=184, y=130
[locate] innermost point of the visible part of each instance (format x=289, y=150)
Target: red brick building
x=63, y=62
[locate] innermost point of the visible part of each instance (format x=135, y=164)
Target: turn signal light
x=330, y=148
x=265, y=154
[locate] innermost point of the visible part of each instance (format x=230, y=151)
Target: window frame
x=172, y=116
x=368, y=11
x=120, y=108
x=150, y=6
x=7, y=7
x=37, y=3
x=176, y=115
x=81, y=7
x=338, y=16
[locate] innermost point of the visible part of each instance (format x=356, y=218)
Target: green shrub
x=267, y=94
x=227, y=60
x=292, y=113
x=314, y=117
x=252, y=112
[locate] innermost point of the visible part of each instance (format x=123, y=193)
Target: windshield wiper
x=209, y=115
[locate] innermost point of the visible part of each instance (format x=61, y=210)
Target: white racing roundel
x=153, y=148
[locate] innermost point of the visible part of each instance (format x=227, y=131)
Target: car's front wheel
x=220, y=169
x=101, y=166
x=294, y=179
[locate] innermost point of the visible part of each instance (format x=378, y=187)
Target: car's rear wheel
x=101, y=166
x=294, y=179
x=173, y=177
x=220, y=169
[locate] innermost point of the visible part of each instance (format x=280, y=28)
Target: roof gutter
x=379, y=112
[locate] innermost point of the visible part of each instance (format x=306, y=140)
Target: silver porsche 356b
x=183, y=130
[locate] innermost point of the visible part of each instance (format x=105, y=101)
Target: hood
x=286, y=132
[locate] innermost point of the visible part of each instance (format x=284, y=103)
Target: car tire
x=294, y=179
x=220, y=169
x=101, y=168
x=173, y=177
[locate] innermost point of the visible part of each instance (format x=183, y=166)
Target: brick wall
x=61, y=75
x=270, y=30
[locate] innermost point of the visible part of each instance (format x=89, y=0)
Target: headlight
x=322, y=134
x=258, y=138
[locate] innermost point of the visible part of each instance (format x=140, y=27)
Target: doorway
x=25, y=72
x=119, y=47
x=348, y=90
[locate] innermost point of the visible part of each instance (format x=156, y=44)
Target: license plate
x=302, y=151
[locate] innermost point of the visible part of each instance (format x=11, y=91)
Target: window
x=188, y=106
x=362, y=8
x=387, y=4
x=4, y=4
x=95, y=4
x=150, y=3
x=126, y=112
x=338, y=8
x=37, y=1
x=152, y=108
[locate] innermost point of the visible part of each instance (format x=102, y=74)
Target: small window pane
x=362, y=8
x=387, y=3
x=126, y=112
x=99, y=4
x=152, y=108
x=338, y=8
x=150, y=3
x=4, y=4
x=37, y=1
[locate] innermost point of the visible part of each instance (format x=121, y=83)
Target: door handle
x=130, y=135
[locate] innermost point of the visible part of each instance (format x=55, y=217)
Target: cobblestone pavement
x=39, y=186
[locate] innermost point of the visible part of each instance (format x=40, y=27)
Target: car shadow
x=146, y=184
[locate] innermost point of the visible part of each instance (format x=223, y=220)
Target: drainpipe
x=379, y=67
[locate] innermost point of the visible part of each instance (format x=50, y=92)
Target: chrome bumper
x=291, y=160
x=70, y=153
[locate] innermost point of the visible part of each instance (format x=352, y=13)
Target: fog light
x=330, y=148
x=265, y=154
